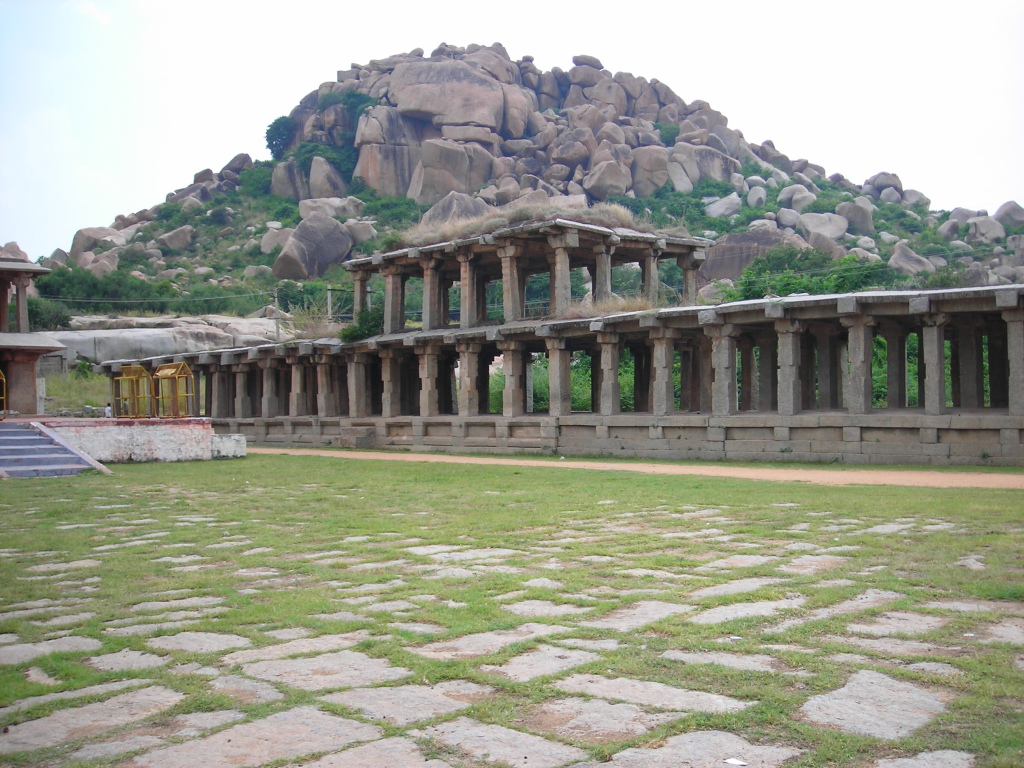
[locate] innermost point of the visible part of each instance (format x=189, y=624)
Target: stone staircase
x=27, y=451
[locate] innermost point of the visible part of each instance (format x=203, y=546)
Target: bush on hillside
x=279, y=135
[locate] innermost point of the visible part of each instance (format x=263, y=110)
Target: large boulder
x=386, y=125
x=858, y=216
x=12, y=250
x=324, y=180
x=88, y=238
x=454, y=206
x=238, y=163
x=796, y=197
x=138, y=343
x=724, y=207
x=607, y=179
x=984, y=229
x=885, y=180
x=274, y=238
x=831, y=225
x=732, y=253
x=289, y=181
x=177, y=239
x=650, y=170
x=447, y=166
x=710, y=163
x=520, y=103
x=1010, y=215
x=318, y=243
x=336, y=207
x=387, y=168
x=961, y=215
x=447, y=93
x=907, y=262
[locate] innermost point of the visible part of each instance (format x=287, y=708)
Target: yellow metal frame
x=174, y=394
x=132, y=393
x=3, y=396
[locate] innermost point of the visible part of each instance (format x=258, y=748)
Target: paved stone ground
x=552, y=650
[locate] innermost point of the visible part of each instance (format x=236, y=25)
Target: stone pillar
x=705, y=373
x=595, y=380
x=432, y=303
x=748, y=374
x=560, y=293
x=5, y=294
x=358, y=385
x=21, y=285
x=610, y=400
x=326, y=393
x=559, y=377
x=513, y=283
x=895, y=367
x=723, y=360
x=1015, y=359
x=297, y=395
x=860, y=349
x=391, y=401
x=690, y=264
x=359, y=294
x=223, y=394
x=602, y=274
x=469, y=378
x=430, y=403
x=394, y=299
x=999, y=395
x=641, y=378
x=663, y=353
x=469, y=290
x=269, y=406
x=972, y=391
x=790, y=381
x=767, y=374
x=243, y=403
x=933, y=344
x=828, y=371
x=514, y=366
x=649, y=278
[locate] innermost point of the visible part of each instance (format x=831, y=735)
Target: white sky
x=107, y=105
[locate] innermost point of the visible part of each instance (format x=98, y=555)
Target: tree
x=279, y=135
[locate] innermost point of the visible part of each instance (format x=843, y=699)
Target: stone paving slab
x=418, y=627
x=341, y=669
x=873, y=704
x=545, y=608
x=637, y=615
x=405, y=704
x=283, y=736
x=944, y=758
x=747, y=662
x=115, y=747
x=318, y=644
x=543, y=660
x=870, y=598
x=899, y=623
x=1007, y=631
x=737, y=561
x=19, y=653
x=198, y=642
x=609, y=644
x=596, y=720
x=88, y=720
x=56, y=567
x=977, y=606
x=650, y=694
x=486, y=643
x=395, y=752
x=245, y=691
x=736, y=587
x=497, y=744
x=734, y=611
x=78, y=693
x=172, y=605
x=893, y=646
x=810, y=565
x=125, y=660
x=701, y=749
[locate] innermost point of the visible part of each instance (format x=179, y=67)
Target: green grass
x=299, y=506
x=69, y=392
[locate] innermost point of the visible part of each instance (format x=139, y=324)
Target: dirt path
x=915, y=478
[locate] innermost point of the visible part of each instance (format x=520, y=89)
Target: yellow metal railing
x=173, y=391
x=132, y=393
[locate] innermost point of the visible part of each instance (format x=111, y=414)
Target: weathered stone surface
x=831, y=225
x=405, y=704
x=288, y=180
x=724, y=207
x=977, y=606
x=395, y=752
x=943, y=758
x=1007, y=631
x=904, y=260
x=244, y=690
x=318, y=243
x=872, y=704
x=447, y=93
x=745, y=610
x=891, y=646
x=858, y=216
x=543, y=660
x=447, y=166
x=498, y=744
x=177, y=239
x=79, y=723
x=274, y=238
x=284, y=736
x=454, y=206
x=899, y=623
x=710, y=163
x=637, y=615
x=19, y=653
x=534, y=608
x=324, y=180
x=984, y=229
x=387, y=168
x=88, y=238
x=871, y=598
x=736, y=587
x=739, y=561
x=748, y=662
x=606, y=179
x=700, y=749
x=125, y=660
x=1010, y=214
x=796, y=197
x=650, y=170
x=485, y=643
x=813, y=564
x=596, y=720
x=340, y=669
x=650, y=694
x=198, y=642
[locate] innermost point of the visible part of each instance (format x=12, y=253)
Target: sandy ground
x=916, y=478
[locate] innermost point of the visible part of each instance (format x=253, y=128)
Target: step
x=54, y=458
x=31, y=438
x=49, y=471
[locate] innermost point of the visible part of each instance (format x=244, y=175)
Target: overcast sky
x=107, y=105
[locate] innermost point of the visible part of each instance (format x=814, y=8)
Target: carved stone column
x=663, y=354
x=358, y=385
x=469, y=378
x=514, y=366
x=860, y=350
x=1015, y=358
x=723, y=360
x=359, y=294
x=559, y=378
x=933, y=342
x=391, y=401
x=790, y=380
x=895, y=366
x=394, y=299
x=432, y=300
x=429, y=394
x=513, y=283
x=611, y=401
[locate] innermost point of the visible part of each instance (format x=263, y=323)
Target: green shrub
x=219, y=216
x=785, y=270
x=279, y=135
x=668, y=132
x=355, y=102
x=343, y=158
x=255, y=181
x=45, y=315
x=329, y=100
x=367, y=323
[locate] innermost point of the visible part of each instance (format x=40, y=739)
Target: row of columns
x=20, y=283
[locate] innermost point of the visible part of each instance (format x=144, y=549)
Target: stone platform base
x=120, y=441
x=906, y=437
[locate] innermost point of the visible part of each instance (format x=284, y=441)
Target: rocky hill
x=469, y=133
